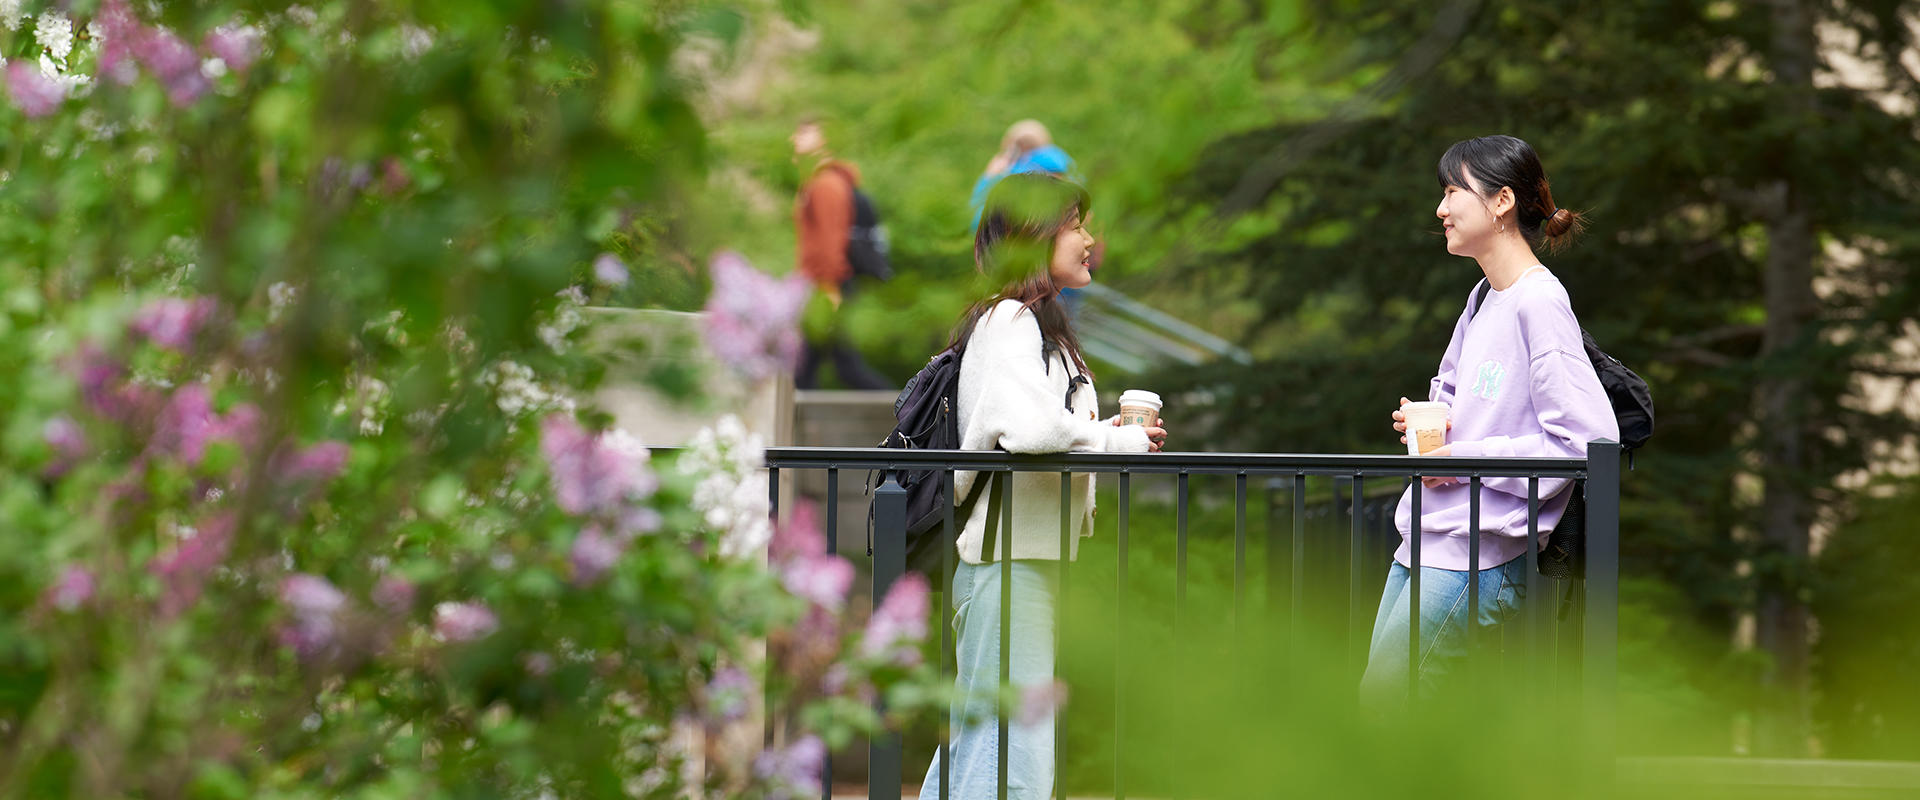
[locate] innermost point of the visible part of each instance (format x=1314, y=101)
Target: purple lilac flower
x=73, y=589
x=236, y=45
x=463, y=622
x=393, y=594
x=184, y=568
x=594, y=554
x=729, y=696
x=69, y=444
x=172, y=322
x=315, y=605
x=33, y=92
x=609, y=270
x=753, y=319
x=1040, y=701
x=104, y=386
x=119, y=30
x=793, y=772
x=174, y=62
x=538, y=664
x=900, y=623
x=316, y=464
x=822, y=580
x=800, y=537
x=592, y=474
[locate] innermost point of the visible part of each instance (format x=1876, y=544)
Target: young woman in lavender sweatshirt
x=1518, y=382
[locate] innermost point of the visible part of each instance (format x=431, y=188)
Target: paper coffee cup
x=1426, y=426
x=1139, y=407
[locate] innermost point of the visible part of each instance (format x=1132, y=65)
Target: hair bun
x=1558, y=223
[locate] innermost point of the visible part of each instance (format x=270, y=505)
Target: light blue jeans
x=973, y=754
x=1443, y=622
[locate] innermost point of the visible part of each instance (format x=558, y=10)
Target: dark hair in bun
x=1494, y=162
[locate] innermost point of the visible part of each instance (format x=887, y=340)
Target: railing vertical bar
x=1180, y=550
x=952, y=534
x=1473, y=580
x=1119, y=645
x=1535, y=620
x=1239, y=551
x=1067, y=540
x=889, y=564
x=1600, y=623
x=773, y=519
x=833, y=549
x=1276, y=568
x=1357, y=628
x=1297, y=575
x=1413, y=594
x=1005, y=543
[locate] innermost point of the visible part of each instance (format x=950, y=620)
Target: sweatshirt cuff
x=1490, y=447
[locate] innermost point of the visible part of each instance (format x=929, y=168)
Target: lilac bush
x=307, y=492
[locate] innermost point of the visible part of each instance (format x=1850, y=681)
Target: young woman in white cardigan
x=1024, y=388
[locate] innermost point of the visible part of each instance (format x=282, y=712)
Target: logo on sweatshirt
x=1486, y=383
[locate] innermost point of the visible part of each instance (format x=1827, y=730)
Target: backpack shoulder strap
x=1479, y=299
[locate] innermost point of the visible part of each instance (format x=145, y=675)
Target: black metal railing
x=1303, y=559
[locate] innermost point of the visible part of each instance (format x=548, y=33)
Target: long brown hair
x=1013, y=249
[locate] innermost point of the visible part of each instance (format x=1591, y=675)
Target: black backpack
x=867, y=240
x=927, y=418
x=1565, y=554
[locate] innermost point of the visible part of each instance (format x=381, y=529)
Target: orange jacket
x=822, y=218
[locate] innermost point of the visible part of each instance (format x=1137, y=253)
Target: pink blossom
x=33, y=92
x=1040, y=701
x=72, y=590
x=172, y=322
x=753, y=319
x=69, y=444
x=463, y=622
x=104, y=386
x=729, y=696
x=315, y=605
x=821, y=580
x=594, y=554
x=595, y=474
x=174, y=62
x=900, y=623
x=800, y=537
x=537, y=664
x=237, y=45
x=316, y=464
x=393, y=594
x=794, y=772
x=311, y=595
x=609, y=270
x=119, y=30
x=183, y=569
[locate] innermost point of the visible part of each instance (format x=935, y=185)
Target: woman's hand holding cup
x=1156, y=433
x=1400, y=422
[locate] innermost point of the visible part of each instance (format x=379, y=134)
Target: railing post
x=1602, y=609
x=889, y=563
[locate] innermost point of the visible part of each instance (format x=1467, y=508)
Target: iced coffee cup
x=1139, y=407
x=1426, y=426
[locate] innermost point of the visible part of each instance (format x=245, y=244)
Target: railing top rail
x=1370, y=465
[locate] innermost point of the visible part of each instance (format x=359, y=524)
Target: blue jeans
x=1443, y=621
x=973, y=754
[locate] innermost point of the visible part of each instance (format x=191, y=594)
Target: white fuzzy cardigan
x=1009, y=397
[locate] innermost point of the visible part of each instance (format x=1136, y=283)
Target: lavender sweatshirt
x=1520, y=384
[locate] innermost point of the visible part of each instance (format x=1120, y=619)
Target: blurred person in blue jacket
x=1028, y=147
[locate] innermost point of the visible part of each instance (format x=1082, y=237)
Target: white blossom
x=415, y=41
x=11, y=15
x=732, y=493
x=53, y=32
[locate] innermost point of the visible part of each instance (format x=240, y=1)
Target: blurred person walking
x=1518, y=382
x=839, y=238
x=1027, y=147
x=1024, y=388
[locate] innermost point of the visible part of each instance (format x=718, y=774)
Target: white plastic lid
x=1139, y=397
